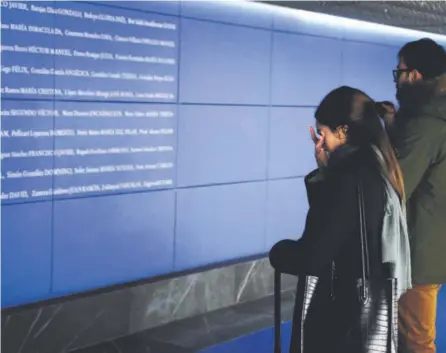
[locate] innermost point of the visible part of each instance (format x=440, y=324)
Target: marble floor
x=195, y=334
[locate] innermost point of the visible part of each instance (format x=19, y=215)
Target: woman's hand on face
x=319, y=152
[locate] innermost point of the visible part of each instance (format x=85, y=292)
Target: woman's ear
x=341, y=132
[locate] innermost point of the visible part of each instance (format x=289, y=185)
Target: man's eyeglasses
x=397, y=73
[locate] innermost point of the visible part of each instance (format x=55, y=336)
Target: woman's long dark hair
x=352, y=108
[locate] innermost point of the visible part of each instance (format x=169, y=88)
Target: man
x=419, y=137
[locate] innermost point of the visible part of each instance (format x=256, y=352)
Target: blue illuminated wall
x=141, y=138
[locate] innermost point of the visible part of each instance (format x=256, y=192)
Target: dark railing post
x=277, y=311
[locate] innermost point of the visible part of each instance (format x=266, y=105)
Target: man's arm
x=416, y=145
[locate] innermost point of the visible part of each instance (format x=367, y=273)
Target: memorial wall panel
x=100, y=241
x=224, y=64
x=27, y=50
x=291, y=151
x=286, y=210
x=221, y=144
x=369, y=68
x=107, y=139
x=309, y=23
x=301, y=74
x=219, y=223
x=165, y=7
x=26, y=233
x=232, y=12
x=114, y=148
x=27, y=156
x=112, y=54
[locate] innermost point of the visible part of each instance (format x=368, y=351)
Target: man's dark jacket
x=419, y=136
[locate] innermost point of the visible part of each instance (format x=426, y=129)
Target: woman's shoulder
x=346, y=166
x=348, y=160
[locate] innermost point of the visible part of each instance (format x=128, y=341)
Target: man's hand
x=387, y=113
x=319, y=152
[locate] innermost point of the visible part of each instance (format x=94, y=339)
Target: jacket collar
x=340, y=155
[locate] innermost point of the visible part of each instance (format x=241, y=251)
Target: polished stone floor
x=195, y=334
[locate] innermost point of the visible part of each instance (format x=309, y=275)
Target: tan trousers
x=417, y=315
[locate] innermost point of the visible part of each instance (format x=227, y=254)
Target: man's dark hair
x=380, y=108
x=388, y=103
x=425, y=56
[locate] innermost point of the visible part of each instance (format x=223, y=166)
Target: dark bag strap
x=392, y=302
x=365, y=264
x=391, y=285
x=277, y=311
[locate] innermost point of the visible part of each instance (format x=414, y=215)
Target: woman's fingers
x=320, y=143
x=320, y=154
x=313, y=135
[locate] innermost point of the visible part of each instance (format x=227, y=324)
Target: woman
x=352, y=149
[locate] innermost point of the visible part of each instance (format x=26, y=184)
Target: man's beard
x=404, y=91
x=414, y=95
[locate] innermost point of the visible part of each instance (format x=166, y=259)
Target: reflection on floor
x=258, y=342
x=237, y=326
x=242, y=328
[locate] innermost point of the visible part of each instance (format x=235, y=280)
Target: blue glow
x=349, y=25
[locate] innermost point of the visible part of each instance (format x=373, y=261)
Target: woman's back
x=333, y=227
x=356, y=166
x=361, y=165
